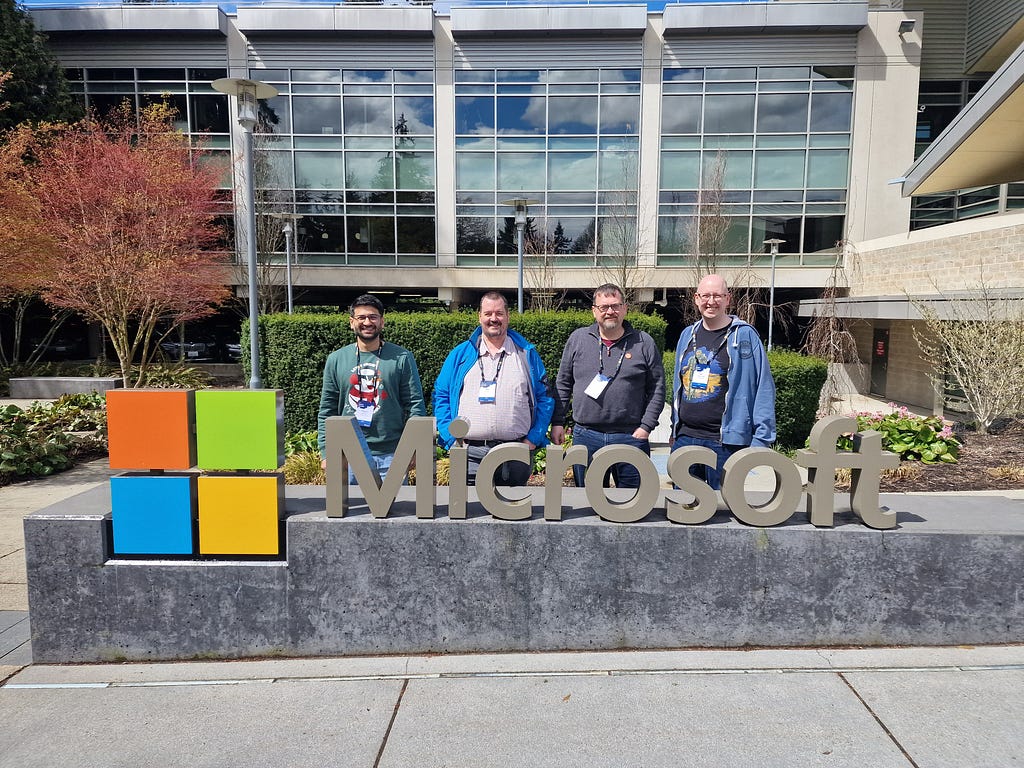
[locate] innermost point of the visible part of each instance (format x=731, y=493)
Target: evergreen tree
x=37, y=89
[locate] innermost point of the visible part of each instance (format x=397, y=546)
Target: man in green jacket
x=375, y=381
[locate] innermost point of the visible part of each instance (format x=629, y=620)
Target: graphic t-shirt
x=703, y=382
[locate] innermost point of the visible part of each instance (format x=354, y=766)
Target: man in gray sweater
x=612, y=377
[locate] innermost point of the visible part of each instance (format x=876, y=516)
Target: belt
x=492, y=443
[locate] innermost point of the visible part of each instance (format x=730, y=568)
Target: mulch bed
x=988, y=462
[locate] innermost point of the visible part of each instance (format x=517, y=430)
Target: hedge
x=293, y=348
x=798, y=383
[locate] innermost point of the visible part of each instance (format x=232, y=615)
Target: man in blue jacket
x=497, y=382
x=724, y=390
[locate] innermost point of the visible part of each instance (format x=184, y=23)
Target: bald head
x=712, y=300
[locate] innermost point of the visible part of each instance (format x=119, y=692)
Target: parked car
x=202, y=349
x=61, y=348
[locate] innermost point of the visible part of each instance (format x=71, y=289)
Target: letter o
x=788, y=487
x=646, y=495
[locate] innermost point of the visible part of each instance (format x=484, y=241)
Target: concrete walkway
x=879, y=707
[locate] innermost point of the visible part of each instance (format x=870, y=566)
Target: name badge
x=699, y=380
x=364, y=412
x=597, y=386
x=487, y=391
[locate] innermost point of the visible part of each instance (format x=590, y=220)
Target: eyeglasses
x=710, y=296
x=603, y=308
x=366, y=318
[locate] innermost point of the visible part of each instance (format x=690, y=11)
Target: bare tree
x=978, y=338
x=619, y=235
x=827, y=336
x=705, y=231
x=271, y=291
x=541, y=253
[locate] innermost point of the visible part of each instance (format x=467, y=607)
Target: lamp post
x=521, y=206
x=247, y=93
x=288, y=230
x=774, y=244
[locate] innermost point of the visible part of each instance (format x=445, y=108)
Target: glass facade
x=568, y=139
x=764, y=151
x=351, y=152
x=939, y=102
x=200, y=110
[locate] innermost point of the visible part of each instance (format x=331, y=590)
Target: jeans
x=511, y=473
x=383, y=464
x=710, y=475
x=624, y=475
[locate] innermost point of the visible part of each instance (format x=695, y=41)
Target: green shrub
x=293, y=348
x=927, y=439
x=173, y=376
x=303, y=468
x=668, y=361
x=299, y=442
x=798, y=383
x=36, y=441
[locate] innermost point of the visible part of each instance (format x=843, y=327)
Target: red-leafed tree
x=27, y=249
x=132, y=212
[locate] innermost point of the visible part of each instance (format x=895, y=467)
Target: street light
x=247, y=93
x=774, y=243
x=288, y=230
x=521, y=205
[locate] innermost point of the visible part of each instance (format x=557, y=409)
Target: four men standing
x=612, y=375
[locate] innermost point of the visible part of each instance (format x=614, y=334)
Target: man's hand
x=323, y=465
x=641, y=434
x=530, y=445
x=558, y=435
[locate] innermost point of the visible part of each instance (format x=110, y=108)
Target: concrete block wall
x=908, y=376
x=953, y=257
x=362, y=585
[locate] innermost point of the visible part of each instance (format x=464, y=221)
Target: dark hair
x=493, y=296
x=607, y=290
x=366, y=300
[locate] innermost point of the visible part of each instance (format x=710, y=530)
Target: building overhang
x=511, y=21
x=903, y=307
x=339, y=19
x=191, y=19
x=779, y=18
x=983, y=144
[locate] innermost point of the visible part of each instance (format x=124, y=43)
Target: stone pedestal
x=361, y=585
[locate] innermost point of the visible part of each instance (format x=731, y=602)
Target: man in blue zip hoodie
x=724, y=390
x=496, y=381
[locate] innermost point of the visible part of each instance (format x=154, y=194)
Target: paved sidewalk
x=880, y=708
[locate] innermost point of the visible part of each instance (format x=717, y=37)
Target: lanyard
x=497, y=371
x=693, y=342
x=600, y=358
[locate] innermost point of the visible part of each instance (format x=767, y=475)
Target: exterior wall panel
x=944, y=47
x=778, y=50
x=541, y=54
x=339, y=53
x=136, y=51
x=988, y=21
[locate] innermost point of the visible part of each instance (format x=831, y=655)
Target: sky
x=442, y=6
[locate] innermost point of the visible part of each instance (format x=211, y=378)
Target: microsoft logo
x=164, y=506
